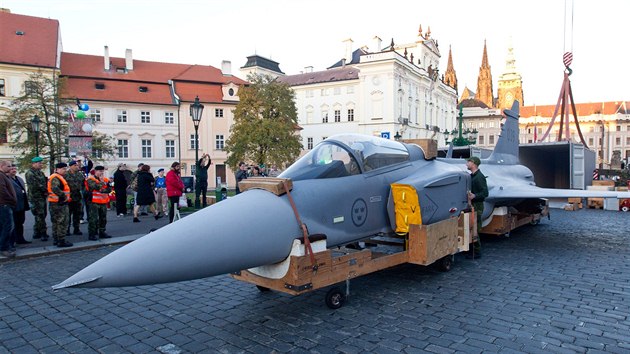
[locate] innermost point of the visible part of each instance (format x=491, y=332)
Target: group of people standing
x=66, y=193
x=149, y=191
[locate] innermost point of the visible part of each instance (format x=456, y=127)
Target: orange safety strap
x=307, y=242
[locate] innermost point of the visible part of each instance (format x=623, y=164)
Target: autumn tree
x=43, y=97
x=265, y=124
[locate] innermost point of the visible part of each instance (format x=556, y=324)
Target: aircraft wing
x=520, y=192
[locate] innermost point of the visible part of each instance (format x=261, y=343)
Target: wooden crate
x=603, y=183
x=429, y=146
x=595, y=203
x=428, y=243
x=272, y=184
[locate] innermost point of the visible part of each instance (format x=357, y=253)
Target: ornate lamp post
x=35, y=126
x=471, y=135
x=196, y=109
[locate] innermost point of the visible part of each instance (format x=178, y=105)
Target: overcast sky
x=300, y=33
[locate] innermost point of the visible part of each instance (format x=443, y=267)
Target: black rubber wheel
x=445, y=264
x=263, y=289
x=335, y=298
x=535, y=222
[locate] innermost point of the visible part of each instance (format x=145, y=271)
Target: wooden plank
x=272, y=184
x=429, y=146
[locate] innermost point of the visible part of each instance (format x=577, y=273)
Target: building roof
x=84, y=72
x=472, y=102
x=582, y=109
x=118, y=91
x=92, y=66
x=356, y=58
x=262, y=62
x=27, y=40
x=331, y=75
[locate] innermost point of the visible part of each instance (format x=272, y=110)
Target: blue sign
x=385, y=135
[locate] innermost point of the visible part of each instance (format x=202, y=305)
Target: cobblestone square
x=561, y=286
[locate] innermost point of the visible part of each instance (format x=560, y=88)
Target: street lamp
x=35, y=126
x=196, y=109
x=463, y=137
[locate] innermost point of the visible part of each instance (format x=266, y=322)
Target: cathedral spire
x=510, y=83
x=484, y=81
x=450, y=77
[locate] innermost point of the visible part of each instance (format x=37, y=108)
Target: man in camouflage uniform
x=97, y=219
x=37, y=194
x=58, y=197
x=76, y=181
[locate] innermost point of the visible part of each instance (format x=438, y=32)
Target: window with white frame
x=193, y=142
x=95, y=114
x=491, y=139
x=122, y=116
x=309, y=94
x=351, y=115
x=2, y=90
x=169, y=118
x=350, y=89
x=145, y=117
x=146, y=148
x=590, y=142
x=324, y=92
x=337, y=91
x=309, y=143
x=170, y=149
x=218, y=112
x=219, y=142
x=481, y=140
x=337, y=115
x=627, y=141
x=618, y=141
x=123, y=148
x=324, y=117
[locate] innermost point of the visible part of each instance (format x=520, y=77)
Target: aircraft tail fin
x=506, y=150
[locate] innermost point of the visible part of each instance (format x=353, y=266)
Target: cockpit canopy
x=347, y=155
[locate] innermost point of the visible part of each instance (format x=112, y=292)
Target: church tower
x=450, y=78
x=484, y=81
x=510, y=83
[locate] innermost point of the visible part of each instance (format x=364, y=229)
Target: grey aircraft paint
x=341, y=189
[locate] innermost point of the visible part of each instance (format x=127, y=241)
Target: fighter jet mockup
x=342, y=189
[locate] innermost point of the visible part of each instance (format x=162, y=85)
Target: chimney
x=377, y=43
x=348, y=55
x=226, y=67
x=106, y=59
x=128, y=60
x=308, y=69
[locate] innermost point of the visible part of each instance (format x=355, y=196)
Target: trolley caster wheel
x=445, y=264
x=335, y=298
x=625, y=209
x=262, y=289
x=535, y=222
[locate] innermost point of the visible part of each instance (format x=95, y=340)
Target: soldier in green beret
x=76, y=180
x=477, y=194
x=37, y=194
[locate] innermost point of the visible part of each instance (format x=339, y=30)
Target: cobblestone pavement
x=561, y=286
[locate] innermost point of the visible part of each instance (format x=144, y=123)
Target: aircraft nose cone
x=252, y=229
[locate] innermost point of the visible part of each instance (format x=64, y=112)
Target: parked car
x=189, y=183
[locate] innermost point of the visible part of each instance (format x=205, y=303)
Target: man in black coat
x=120, y=187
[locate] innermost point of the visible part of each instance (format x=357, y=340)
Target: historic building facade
x=28, y=45
x=510, y=83
x=392, y=91
x=145, y=107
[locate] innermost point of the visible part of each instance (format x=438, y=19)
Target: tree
x=44, y=97
x=265, y=124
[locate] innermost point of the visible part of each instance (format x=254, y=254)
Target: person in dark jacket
x=120, y=188
x=19, y=213
x=201, y=176
x=477, y=194
x=8, y=201
x=241, y=174
x=146, y=195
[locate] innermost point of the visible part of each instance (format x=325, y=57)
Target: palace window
x=309, y=143
x=123, y=148
x=337, y=116
x=351, y=115
x=219, y=142
x=170, y=148
x=122, y=116
x=146, y=148
x=2, y=91
x=218, y=112
x=145, y=117
x=168, y=118
x=95, y=114
x=193, y=143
